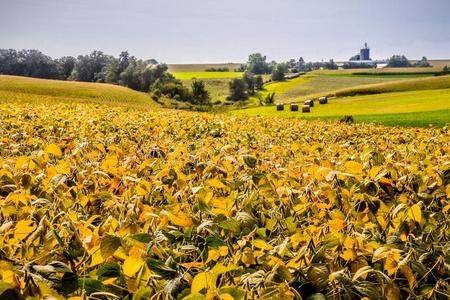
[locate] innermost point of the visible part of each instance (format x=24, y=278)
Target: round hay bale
x=306, y=109
x=294, y=107
x=280, y=107
x=310, y=103
x=323, y=100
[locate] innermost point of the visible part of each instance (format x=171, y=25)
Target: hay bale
x=310, y=103
x=294, y=107
x=323, y=100
x=280, y=107
x=306, y=109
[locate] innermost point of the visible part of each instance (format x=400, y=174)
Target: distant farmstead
x=363, y=58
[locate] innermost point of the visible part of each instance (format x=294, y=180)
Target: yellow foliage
x=265, y=197
x=132, y=265
x=23, y=228
x=415, y=213
x=203, y=280
x=353, y=167
x=53, y=149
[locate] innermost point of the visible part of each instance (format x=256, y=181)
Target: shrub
x=238, y=90
x=398, y=61
x=225, y=69
x=199, y=93
x=279, y=72
x=423, y=63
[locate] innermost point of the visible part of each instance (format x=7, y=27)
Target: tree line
x=125, y=70
x=258, y=66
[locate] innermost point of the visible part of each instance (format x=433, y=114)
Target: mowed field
x=206, y=75
x=201, y=67
x=25, y=89
x=414, y=102
x=315, y=85
x=414, y=108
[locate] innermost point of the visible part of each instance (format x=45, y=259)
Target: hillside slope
x=409, y=108
x=418, y=84
x=25, y=89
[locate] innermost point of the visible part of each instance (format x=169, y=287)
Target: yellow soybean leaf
x=216, y=183
x=24, y=228
x=390, y=265
x=221, y=269
x=295, y=147
x=349, y=255
x=143, y=188
x=248, y=258
x=409, y=275
x=180, y=219
x=336, y=225
x=415, y=213
x=213, y=255
x=8, y=276
x=53, y=149
x=97, y=258
x=392, y=291
x=223, y=250
x=203, y=280
x=353, y=167
x=226, y=296
x=374, y=172
x=261, y=244
x=132, y=265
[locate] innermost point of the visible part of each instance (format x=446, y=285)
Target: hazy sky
x=189, y=31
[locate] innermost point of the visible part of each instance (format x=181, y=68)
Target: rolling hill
x=415, y=102
x=25, y=89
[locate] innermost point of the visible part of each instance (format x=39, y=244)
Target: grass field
x=206, y=75
x=25, y=89
x=431, y=83
x=315, y=85
x=201, y=67
x=387, y=108
x=218, y=88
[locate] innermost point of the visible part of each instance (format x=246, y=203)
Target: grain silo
x=365, y=53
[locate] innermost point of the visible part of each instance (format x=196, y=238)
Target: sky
x=208, y=31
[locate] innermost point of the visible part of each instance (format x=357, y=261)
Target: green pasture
x=201, y=67
x=382, y=107
x=207, y=75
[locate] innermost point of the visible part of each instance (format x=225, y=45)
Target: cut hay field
x=207, y=75
x=201, y=67
x=25, y=89
x=314, y=85
x=410, y=108
x=430, y=83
